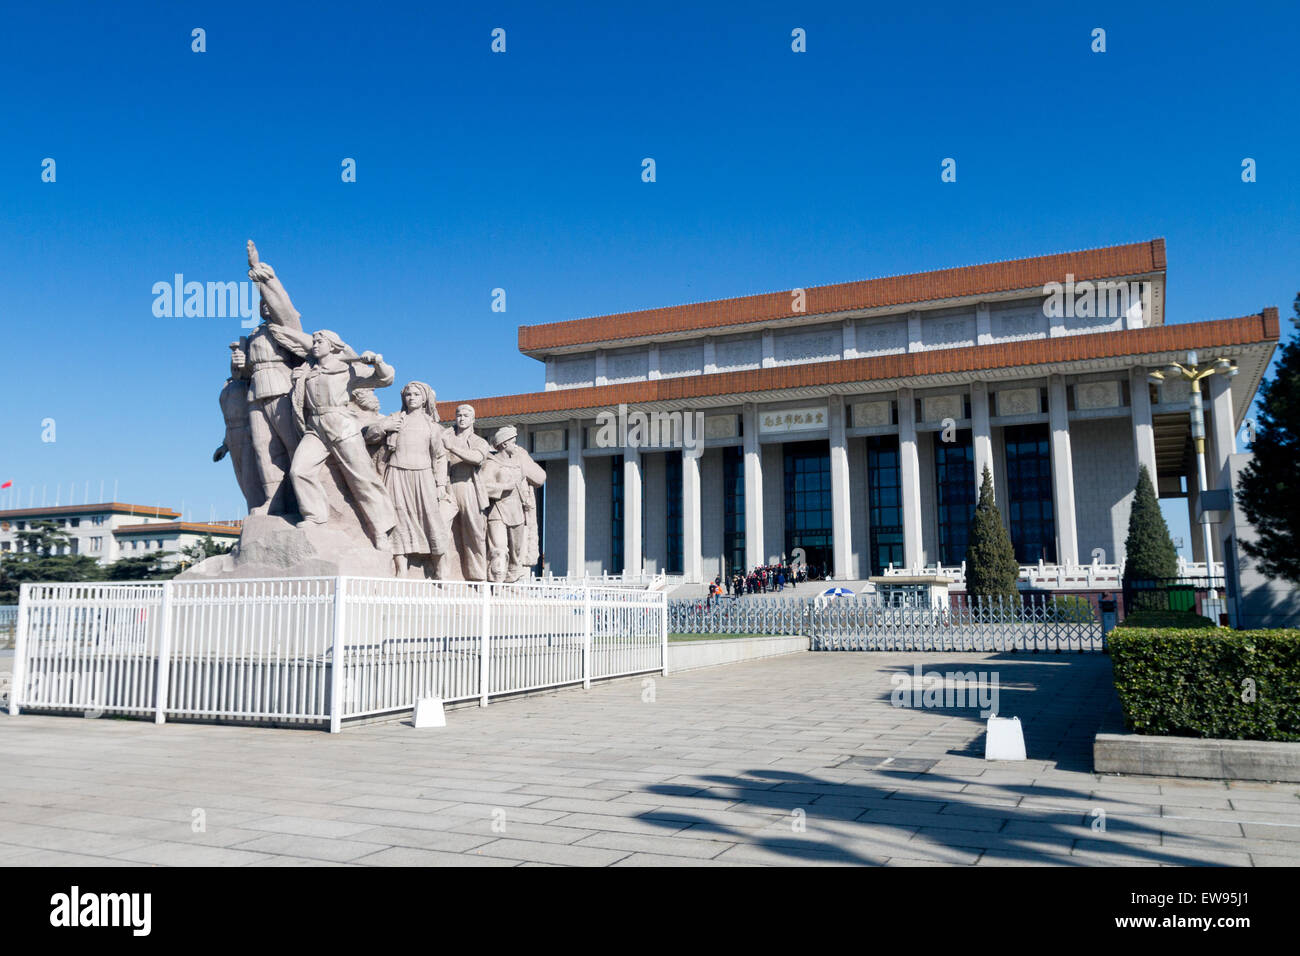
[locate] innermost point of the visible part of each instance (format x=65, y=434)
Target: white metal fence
x=267, y=650
x=868, y=623
x=8, y=623
x=1059, y=577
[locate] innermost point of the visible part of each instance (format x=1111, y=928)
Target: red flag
x=6, y=484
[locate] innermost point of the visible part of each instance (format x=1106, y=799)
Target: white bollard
x=1005, y=739
x=429, y=713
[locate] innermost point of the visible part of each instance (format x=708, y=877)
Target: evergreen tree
x=991, y=566
x=1269, y=490
x=201, y=551
x=38, y=559
x=146, y=567
x=1148, y=550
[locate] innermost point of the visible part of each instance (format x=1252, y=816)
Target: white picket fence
x=267, y=650
x=1059, y=577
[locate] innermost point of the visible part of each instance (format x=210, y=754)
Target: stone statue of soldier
x=271, y=359
x=238, y=440
x=324, y=410
x=512, y=500
x=466, y=453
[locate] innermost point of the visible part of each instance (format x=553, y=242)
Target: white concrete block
x=1005, y=739
x=429, y=713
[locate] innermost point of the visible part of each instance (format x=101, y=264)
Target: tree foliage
x=38, y=558
x=146, y=567
x=201, y=551
x=1268, y=489
x=991, y=566
x=1148, y=550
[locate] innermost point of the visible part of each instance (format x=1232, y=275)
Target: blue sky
x=522, y=171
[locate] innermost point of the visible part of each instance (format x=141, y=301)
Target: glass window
x=616, y=515
x=885, y=502
x=674, y=561
x=954, y=474
x=808, y=510
x=1029, y=494
x=733, y=508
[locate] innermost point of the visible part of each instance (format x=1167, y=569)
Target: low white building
x=112, y=530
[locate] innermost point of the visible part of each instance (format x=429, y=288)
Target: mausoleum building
x=853, y=421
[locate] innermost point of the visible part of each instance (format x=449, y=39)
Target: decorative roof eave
x=107, y=507
x=1253, y=337
x=936, y=289
x=180, y=527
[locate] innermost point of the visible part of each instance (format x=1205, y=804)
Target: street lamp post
x=1193, y=375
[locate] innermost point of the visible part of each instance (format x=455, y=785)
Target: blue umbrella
x=838, y=592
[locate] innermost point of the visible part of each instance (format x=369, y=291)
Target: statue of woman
x=416, y=478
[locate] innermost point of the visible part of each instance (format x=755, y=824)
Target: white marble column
x=841, y=525
x=1222, y=428
x=633, y=557
x=1067, y=531
x=909, y=477
x=981, y=435
x=754, y=552
x=577, y=544
x=692, y=517
x=1144, y=435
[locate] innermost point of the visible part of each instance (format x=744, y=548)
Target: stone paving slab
x=765, y=763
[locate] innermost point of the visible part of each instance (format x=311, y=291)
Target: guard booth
x=912, y=590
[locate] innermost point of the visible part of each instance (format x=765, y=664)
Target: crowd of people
x=764, y=578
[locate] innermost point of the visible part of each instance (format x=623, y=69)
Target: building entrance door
x=808, y=502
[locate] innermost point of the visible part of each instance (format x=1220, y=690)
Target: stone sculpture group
x=333, y=486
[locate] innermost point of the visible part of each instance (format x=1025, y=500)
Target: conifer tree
x=1148, y=549
x=1269, y=489
x=991, y=566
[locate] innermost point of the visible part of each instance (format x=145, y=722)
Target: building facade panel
x=1019, y=321
x=600, y=549
x=948, y=328
x=1105, y=474
x=711, y=513
x=773, y=501
x=816, y=344
x=685, y=359
x=576, y=371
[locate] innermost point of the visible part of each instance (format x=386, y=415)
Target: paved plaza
x=777, y=762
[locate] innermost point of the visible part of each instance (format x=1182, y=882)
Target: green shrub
x=1202, y=681
x=1070, y=608
x=1181, y=620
